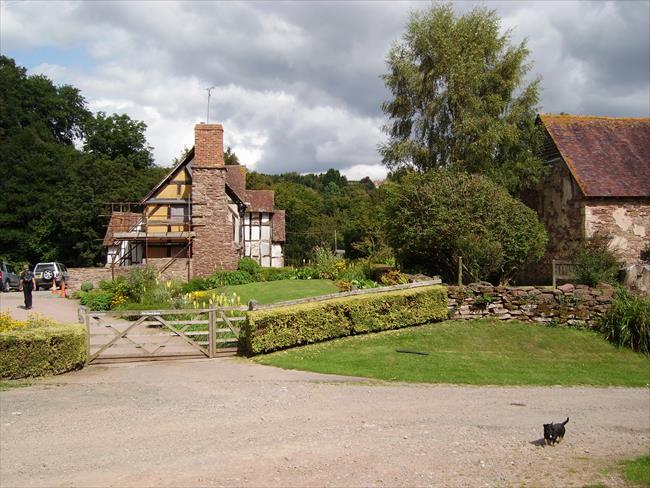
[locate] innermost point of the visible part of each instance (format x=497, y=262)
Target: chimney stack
x=208, y=146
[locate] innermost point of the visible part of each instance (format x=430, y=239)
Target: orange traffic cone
x=63, y=289
x=53, y=286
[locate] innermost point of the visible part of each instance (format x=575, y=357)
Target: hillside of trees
x=59, y=165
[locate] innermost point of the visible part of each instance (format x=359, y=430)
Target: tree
x=229, y=157
x=116, y=136
x=434, y=218
x=460, y=99
x=54, y=195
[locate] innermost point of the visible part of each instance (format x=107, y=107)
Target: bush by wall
x=596, y=262
x=96, y=300
x=278, y=328
x=40, y=351
x=627, y=322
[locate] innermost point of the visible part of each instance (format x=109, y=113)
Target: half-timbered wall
x=258, y=243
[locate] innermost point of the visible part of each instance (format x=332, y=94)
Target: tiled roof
x=260, y=200
x=120, y=222
x=607, y=156
x=278, y=226
x=236, y=180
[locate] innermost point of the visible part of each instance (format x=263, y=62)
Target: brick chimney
x=208, y=145
x=213, y=247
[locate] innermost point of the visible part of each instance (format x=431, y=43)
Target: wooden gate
x=162, y=334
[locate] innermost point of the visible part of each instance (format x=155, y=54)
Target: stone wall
x=626, y=221
x=559, y=205
x=568, y=304
x=77, y=276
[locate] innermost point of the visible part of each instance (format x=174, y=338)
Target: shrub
x=344, y=285
x=363, y=284
x=268, y=330
x=118, y=286
x=357, y=271
x=139, y=279
x=327, y=264
x=40, y=350
x=435, y=217
x=7, y=323
x=96, y=300
x=275, y=274
x=393, y=277
x=87, y=286
x=225, y=278
x=627, y=321
x=596, y=262
x=249, y=266
x=306, y=273
x=195, y=284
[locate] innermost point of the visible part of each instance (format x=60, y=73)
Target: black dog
x=554, y=433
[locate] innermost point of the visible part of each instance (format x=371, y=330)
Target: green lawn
x=278, y=291
x=478, y=352
x=638, y=471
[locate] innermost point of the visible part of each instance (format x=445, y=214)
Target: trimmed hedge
x=279, y=328
x=42, y=351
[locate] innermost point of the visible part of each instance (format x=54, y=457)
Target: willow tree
x=461, y=99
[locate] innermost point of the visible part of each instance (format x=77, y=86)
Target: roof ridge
x=594, y=117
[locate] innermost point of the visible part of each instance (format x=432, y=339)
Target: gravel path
x=227, y=422
x=43, y=302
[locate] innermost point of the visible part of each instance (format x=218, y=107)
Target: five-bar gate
x=162, y=334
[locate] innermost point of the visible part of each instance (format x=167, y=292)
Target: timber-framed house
x=199, y=218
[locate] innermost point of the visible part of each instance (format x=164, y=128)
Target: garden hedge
x=279, y=328
x=42, y=350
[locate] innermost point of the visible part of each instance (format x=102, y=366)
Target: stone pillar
x=212, y=247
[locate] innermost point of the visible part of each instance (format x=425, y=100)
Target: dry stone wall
x=568, y=304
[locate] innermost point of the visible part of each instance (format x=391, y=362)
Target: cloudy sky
x=296, y=85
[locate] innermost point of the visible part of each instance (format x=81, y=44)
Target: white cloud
x=297, y=84
x=360, y=171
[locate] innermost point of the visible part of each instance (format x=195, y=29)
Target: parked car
x=8, y=277
x=45, y=273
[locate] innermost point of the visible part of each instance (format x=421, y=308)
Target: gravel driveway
x=44, y=303
x=228, y=422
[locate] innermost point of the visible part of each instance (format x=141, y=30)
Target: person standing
x=27, y=284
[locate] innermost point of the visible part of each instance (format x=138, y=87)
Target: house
x=199, y=218
x=598, y=182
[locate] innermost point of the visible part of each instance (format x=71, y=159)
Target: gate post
x=211, y=333
x=87, y=321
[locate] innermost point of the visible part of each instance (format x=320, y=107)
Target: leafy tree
x=460, y=99
x=229, y=157
x=53, y=195
x=56, y=114
x=116, y=136
x=434, y=218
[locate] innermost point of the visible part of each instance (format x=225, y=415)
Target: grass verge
x=13, y=384
x=266, y=292
x=482, y=352
x=637, y=471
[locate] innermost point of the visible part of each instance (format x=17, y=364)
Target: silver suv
x=46, y=273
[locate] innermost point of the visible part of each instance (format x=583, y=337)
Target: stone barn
x=199, y=218
x=598, y=181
